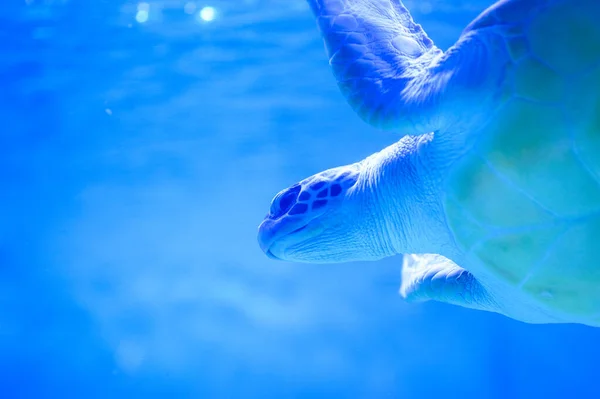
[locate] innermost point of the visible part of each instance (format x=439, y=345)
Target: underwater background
x=141, y=144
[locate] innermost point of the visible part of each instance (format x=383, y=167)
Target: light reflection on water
x=144, y=145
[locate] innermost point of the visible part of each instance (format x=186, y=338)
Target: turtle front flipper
x=394, y=76
x=378, y=55
x=433, y=277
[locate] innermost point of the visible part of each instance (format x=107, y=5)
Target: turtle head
x=319, y=220
x=387, y=204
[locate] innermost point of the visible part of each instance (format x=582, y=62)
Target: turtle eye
x=284, y=201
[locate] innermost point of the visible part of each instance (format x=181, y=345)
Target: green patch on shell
x=531, y=147
x=490, y=200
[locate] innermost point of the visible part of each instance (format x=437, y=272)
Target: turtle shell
x=524, y=201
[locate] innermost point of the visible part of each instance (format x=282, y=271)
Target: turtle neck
x=404, y=196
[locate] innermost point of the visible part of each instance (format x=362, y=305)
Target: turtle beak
x=265, y=236
x=270, y=255
x=271, y=231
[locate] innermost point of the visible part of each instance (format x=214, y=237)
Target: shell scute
x=583, y=110
x=518, y=47
x=528, y=76
x=516, y=256
x=567, y=36
x=570, y=271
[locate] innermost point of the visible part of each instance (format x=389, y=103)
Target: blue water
x=140, y=147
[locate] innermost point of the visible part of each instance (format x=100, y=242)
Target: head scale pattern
x=313, y=193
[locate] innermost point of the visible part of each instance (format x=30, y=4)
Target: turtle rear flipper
x=433, y=277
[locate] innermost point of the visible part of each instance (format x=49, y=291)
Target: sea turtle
x=493, y=194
